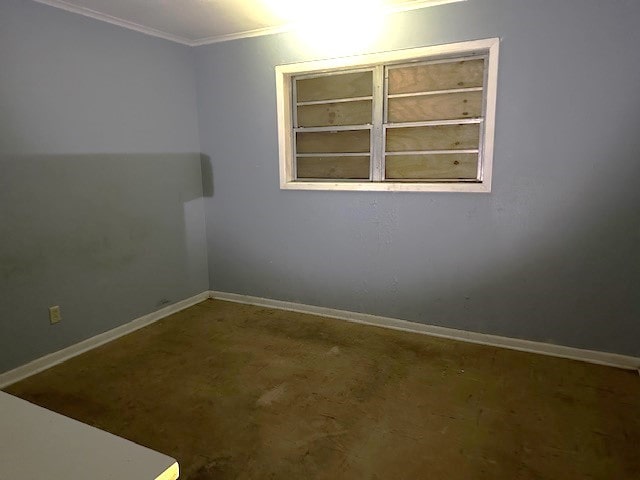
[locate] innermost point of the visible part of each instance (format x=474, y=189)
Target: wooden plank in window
x=343, y=141
x=432, y=166
x=333, y=167
x=332, y=87
x=447, y=106
x=439, y=137
x=436, y=76
x=334, y=114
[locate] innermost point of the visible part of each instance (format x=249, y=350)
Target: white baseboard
x=48, y=361
x=590, y=356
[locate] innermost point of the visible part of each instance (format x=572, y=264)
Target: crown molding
x=417, y=4
x=87, y=12
x=259, y=32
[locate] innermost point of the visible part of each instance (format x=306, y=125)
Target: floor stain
x=271, y=396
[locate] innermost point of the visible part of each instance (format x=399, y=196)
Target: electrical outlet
x=54, y=314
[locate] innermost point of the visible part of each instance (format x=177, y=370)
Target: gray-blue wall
x=550, y=255
x=101, y=208
x=101, y=200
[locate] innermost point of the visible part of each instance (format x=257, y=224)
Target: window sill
x=475, y=187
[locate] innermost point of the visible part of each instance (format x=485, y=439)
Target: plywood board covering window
x=411, y=120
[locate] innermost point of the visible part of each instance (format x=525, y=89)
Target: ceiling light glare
x=341, y=26
x=331, y=27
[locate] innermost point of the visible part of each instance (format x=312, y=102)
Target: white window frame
x=284, y=95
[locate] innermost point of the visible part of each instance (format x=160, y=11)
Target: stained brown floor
x=234, y=391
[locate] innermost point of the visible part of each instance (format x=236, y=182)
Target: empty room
x=366, y=239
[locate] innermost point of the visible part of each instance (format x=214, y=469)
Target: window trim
x=488, y=47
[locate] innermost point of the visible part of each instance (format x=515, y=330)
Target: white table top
x=36, y=443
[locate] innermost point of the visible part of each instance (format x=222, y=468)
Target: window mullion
x=294, y=143
x=377, y=141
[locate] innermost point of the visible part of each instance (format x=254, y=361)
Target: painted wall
x=550, y=255
x=101, y=208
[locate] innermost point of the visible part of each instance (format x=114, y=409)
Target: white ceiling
x=199, y=22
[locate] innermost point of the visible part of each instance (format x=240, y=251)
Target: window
x=420, y=119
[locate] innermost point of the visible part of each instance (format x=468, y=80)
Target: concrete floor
x=235, y=391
